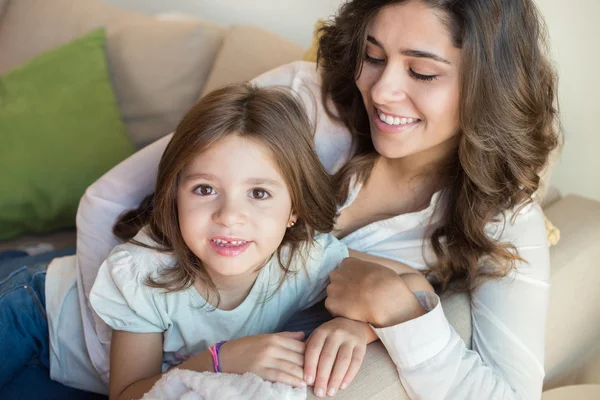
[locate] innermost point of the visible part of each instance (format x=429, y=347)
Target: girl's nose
x=229, y=213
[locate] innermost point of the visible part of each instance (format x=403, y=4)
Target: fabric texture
x=158, y=67
x=24, y=333
x=61, y=130
x=190, y=385
x=574, y=320
x=24, y=372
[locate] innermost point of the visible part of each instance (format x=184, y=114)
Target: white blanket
x=190, y=385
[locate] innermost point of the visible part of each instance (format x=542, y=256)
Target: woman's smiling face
x=410, y=81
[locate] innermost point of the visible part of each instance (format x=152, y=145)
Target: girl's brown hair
x=270, y=116
x=508, y=122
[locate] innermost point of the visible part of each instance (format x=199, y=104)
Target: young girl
x=230, y=252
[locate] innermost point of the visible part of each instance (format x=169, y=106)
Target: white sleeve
x=121, y=298
x=509, y=321
x=120, y=189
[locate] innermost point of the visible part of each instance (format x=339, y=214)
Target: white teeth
x=234, y=242
x=388, y=119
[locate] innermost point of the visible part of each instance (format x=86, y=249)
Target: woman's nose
x=390, y=86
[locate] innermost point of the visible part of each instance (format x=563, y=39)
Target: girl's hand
x=369, y=292
x=275, y=357
x=334, y=353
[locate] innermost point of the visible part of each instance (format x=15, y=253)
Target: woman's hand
x=372, y=293
x=334, y=353
x=275, y=357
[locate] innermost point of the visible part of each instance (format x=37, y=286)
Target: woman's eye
x=373, y=60
x=204, y=190
x=421, y=77
x=259, y=194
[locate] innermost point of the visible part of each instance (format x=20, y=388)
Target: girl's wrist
x=215, y=352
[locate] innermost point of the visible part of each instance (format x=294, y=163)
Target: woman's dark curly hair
x=508, y=122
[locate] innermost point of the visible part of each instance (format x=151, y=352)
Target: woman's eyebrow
x=412, y=53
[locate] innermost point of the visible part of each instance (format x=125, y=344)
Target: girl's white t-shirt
x=508, y=315
x=190, y=325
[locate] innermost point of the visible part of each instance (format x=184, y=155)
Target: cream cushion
x=158, y=67
x=2, y=4
x=573, y=317
x=578, y=392
x=260, y=51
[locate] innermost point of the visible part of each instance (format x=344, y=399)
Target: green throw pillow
x=60, y=130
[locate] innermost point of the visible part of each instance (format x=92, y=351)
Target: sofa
x=159, y=66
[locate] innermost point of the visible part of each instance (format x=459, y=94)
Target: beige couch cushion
x=158, y=67
x=247, y=52
x=573, y=318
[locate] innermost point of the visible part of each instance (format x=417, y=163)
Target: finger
x=314, y=345
x=340, y=367
x=292, y=335
x=288, y=367
x=357, y=358
x=290, y=343
x=276, y=375
x=328, y=356
x=292, y=357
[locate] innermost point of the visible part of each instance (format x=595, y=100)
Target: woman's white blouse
x=508, y=315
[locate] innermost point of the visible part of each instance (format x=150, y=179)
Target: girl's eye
x=259, y=194
x=373, y=60
x=420, y=77
x=204, y=190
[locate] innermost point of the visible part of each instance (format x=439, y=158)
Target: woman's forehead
x=412, y=26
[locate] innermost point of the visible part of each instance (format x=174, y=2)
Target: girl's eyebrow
x=263, y=181
x=192, y=177
x=412, y=53
x=250, y=181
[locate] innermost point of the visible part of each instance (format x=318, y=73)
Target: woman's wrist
x=391, y=313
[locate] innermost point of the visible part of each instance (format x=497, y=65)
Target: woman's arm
x=509, y=319
x=415, y=280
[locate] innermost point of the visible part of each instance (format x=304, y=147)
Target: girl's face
x=410, y=81
x=234, y=207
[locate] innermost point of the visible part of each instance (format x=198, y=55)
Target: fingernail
x=331, y=392
x=344, y=385
x=303, y=384
x=309, y=379
x=320, y=392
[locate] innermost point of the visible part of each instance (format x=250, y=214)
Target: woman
x=436, y=116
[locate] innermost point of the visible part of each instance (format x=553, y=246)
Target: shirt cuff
x=413, y=342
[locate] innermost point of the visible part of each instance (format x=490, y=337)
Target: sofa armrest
x=573, y=317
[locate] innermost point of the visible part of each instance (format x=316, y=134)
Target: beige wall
x=574, y=27
x=292, y=19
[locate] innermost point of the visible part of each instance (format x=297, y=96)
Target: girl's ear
x=292, y=220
